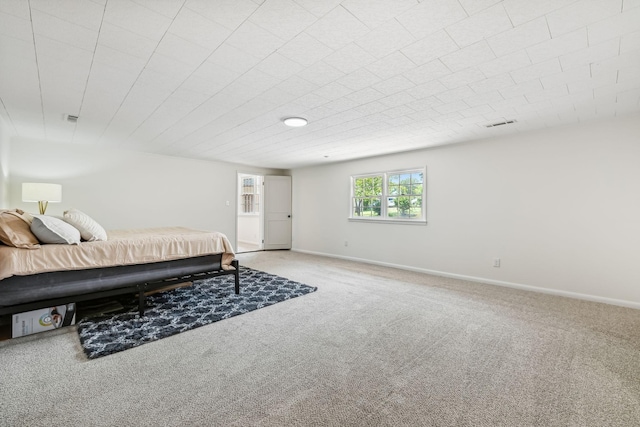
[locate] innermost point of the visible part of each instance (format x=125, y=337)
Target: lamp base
x=42, y=206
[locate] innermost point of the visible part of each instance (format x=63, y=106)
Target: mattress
x=123, y=247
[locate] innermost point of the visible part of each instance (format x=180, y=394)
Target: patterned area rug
x=169, y=313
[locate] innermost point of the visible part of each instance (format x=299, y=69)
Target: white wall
x=4, y=166
x=125, y=189
x=560, y=207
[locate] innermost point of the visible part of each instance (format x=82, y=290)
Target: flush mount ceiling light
x=295, y=122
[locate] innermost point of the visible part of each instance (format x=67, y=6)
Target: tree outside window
x=367, y=200
x=405, y=191
x=402, y=191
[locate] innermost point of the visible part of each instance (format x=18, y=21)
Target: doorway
x=250, y=217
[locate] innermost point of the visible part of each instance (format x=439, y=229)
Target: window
x=367, y=200
x=249, y=196
x=397, y=196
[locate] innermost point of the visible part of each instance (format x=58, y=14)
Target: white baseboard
x=557, y=292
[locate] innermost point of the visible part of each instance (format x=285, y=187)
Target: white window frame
x=384, y=218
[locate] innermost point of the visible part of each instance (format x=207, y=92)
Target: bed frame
x=25, y=293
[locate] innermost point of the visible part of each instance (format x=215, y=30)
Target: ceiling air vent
x=72, y=119
x=507, y=122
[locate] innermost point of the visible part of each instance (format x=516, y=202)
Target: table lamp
x=41, y=193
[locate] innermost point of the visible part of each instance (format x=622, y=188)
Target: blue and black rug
x=179, y=310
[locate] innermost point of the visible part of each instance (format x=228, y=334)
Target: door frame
x=239, y=176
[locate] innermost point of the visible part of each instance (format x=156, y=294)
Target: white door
x=277, y=212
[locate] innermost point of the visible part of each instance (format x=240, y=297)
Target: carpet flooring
x=183, y=309
x=373, y=346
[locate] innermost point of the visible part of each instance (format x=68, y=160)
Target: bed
x=129, y=261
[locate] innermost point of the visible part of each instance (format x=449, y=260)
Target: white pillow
x=90, y=230
x=53, y=230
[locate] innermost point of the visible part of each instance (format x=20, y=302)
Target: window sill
x=391, y=221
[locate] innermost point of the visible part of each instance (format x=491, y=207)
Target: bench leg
x=141, y=300
x=236, y=275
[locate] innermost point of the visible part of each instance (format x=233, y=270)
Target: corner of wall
x=4, y=165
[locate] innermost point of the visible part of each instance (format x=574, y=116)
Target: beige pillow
x=15, y=231
x=90, y=230
x=26, y=216
x=53, y=230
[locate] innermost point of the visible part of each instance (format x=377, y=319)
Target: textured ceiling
x=213, y=79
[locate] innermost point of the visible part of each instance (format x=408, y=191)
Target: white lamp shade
x=41, y=192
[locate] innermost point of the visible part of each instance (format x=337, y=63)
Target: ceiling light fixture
x=295, y=122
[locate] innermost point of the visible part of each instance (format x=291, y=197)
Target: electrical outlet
x=346, y=243
x=496, y=262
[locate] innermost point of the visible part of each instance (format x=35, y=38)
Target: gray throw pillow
x=49, y=229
